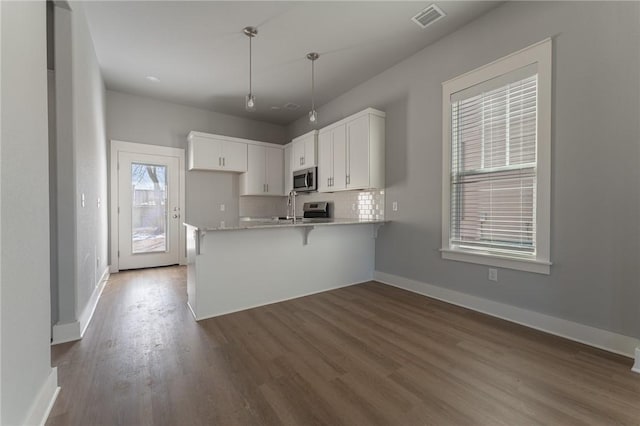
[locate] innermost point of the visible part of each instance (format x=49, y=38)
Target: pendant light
x=250, y=100
x=313, y=115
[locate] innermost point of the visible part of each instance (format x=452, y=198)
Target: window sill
x=527, y=265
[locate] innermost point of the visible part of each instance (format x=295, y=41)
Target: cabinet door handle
x=224, y=161
x=303, y=161
x=219, y=161
x=348, y=179
x=267, y=187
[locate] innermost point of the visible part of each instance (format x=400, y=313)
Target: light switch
x=222, y=207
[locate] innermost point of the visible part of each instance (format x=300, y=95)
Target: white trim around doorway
x=141, y=148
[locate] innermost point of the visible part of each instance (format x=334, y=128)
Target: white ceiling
x=199, y=53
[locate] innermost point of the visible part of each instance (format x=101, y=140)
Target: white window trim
x=539, y=54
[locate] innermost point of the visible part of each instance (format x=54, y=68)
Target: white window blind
x=493, y=166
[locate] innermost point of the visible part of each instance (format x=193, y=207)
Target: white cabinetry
x=304, y=151
x=332, y=144
x=351, y=153
x=288, y=171
x=211, y=152
x=274, y=171
x=264, y=174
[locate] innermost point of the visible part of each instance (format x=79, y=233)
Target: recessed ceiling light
x=274, y=107
x=153, y=78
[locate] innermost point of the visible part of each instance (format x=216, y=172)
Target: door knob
x=175, y=216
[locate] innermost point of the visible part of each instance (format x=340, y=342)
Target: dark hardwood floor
x=364, y=355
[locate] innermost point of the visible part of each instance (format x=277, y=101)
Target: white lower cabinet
x=351, y=153
x=264, y=174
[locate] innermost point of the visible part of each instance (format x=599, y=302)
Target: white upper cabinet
x=274, y=174
x=234, y=156
x=212, y=152
x=351, y=153
x=332, y=159
x=288, y=172
x=254, y=181
x=304, y=151
x=325, y=160
x=358, y=144
x=264, y=175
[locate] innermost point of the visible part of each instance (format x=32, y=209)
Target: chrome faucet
x=291, y=205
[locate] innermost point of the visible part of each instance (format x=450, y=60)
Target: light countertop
x=263, y=223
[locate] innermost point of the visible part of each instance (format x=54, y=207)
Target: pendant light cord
x=313, y=84
x=250, y=66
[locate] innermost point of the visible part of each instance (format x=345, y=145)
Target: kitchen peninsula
x=247, y=264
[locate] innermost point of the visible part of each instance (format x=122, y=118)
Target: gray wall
x=81, y=165
x=90, y=162
x=25, y=353
x=139, y=119
x=595, y=245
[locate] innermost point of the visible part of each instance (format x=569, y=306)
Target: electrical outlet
x=98, y=202
x=82, y=200
x=493, y=274
x=353, y=207
x=394, y=206
x=222, y=207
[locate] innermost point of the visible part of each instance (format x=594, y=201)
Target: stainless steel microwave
x=305, y=180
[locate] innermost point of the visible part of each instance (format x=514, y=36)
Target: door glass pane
x=149, y=208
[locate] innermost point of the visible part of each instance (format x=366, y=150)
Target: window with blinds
x=493, y=165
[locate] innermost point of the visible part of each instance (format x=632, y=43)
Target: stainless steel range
x=316, y=211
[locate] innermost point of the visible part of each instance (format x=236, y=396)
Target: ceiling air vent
x=291, y=106
x=428, y=16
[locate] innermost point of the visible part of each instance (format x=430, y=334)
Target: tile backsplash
x=344, y=205
x=348, y=204
x=257, y=206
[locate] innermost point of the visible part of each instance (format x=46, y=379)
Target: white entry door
x=148, y=210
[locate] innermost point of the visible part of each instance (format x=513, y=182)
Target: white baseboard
x=69, y=332
x=195, y=317
x=87, y=312
x=636, y=365
x=41, y=407
x=603, y=339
